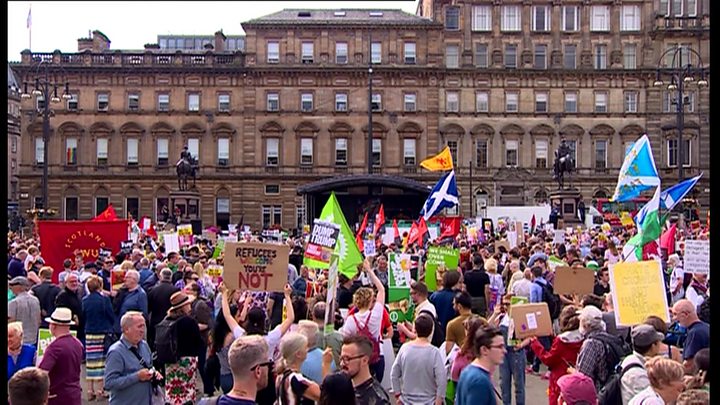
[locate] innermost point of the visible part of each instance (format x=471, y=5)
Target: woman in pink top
x=466, y=355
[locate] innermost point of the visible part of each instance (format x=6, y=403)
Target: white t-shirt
x=648, y=396
x=272, y=338
x=426, y=306
x=694, y=297
x=351, y=326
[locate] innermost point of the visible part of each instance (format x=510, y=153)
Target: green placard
x=400, y=305
x=436, y=256
x=44, y=340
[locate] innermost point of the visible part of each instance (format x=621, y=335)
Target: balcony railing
x=699, y=23
x=131, y=59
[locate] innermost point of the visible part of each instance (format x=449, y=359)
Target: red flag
x=532, y=224
x=360, y=232
x=450, y=227
x=148, y=227
x=107, y=215
x=667, y=239
x=398, y=240
x=60, y=239
x=413, y=234
x=424, y=234
x=379, y=220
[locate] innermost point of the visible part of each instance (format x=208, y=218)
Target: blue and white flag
x=443, y=195
x=638, y=172
x=670, y=197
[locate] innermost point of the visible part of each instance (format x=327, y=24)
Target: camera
x=155, y=381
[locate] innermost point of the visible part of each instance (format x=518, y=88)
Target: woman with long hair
x=292, y=386
x=337, y=388
x=466, y=355
x=612, y=255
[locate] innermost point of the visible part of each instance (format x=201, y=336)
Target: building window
x=510, y=56
x=71, y=150
x=272, y=189
x=571, y=102
x=570, y=56
x=376, y=52
x=101, y=151
x=540, y=57
x=272, y=153
x=481, y=55
x=101, y=204
x=223, y=151
x=571, y=18
x=452, y=18
x=664, y=9
x=541, y=154
x=481, y=153
x=341, y=102
x=133, y=101
x=600, y=18
x=194, y=148
x=690, y=104
x=223, y=102
x=71, y=208
x=410, y=102
x=103, y=101
x=541, y=102
x=452, y=56
x=668, y=102
x=482, y=18
x=510, y=18
x=40, y=102
x=308, y=51
x=13, y=144
x=222, y=212
x=273, y=101
x=409, y=152
x=673, y=152
x=341, y=154
x=452, y=103
x=677, y=8
x=376, y=152
x=630, y=18
x=163, y=104
x=306, y=151
x=685, y=55
x=600, y=57
x=600, y=154
x=482, y=101
x=631, y=102
x=511, y=102
x=163, y=151
x=376, y=102
x=629, y=56
x=306, y=102
x=273, y=51
x=299, y=216
x=132, y=151
x=341, y=53
x=511, y=153
x=39, y=151
x=541, y=18
x=271, y=215
x=453, y=146
x=72, y=103
x=601, y=102
x=38, y=202
x=409, y=53
x=692, y=8
x=194, y=102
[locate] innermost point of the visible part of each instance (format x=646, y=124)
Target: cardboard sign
x=256, y=266
x=117, y=279
x=512, y=238
x=322, y=241
x=574, y=280
x=400, y=305
x=44, y=340
x=437, y=256
x=502, y=243
x=172, y=242
x=697, y=256
x=531, y=320
x=638, y=291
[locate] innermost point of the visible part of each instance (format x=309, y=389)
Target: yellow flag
x=441, y=161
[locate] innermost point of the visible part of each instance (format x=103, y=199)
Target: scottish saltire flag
x=647, y=240
x=670, y=197
x=443, y=195
x=638, y=172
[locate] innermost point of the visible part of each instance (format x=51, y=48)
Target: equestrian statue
x=564, y=164
x=186, y=166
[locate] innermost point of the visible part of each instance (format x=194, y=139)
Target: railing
x=132, y=59
x=72, y=59
x=682, y=23
x=102, y=59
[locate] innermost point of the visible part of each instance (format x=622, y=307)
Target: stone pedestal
x=568, y=201
x=189, y=204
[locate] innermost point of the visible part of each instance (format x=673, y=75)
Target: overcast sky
x=131, y=25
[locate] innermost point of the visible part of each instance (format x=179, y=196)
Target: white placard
x=172, y=242
x=559, y=236
x=369, y=247
x=531, y=321
x=697, y=256
x=512, y=239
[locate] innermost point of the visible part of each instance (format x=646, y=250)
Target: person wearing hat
x=577, y=388
x=646, y=343
x=24, y=308
x=63, y=360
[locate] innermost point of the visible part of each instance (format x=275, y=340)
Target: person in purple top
x=63, y=360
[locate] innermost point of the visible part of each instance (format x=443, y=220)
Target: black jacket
x=159, y=301
x=69, y=299
x=46, y=293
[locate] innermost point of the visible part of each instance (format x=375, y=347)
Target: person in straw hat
x=63, y=360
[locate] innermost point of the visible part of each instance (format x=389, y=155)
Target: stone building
x=13, y=141
x=500, y=83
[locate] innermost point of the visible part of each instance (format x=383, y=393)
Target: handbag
x=110, y=338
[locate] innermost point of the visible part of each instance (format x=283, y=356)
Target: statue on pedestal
x=563, y=164
x=186, y=166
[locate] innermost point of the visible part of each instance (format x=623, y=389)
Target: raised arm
x=290, y=312
x=380, y=296
x=232, y=323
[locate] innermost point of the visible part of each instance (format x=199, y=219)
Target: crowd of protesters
x=174, y=334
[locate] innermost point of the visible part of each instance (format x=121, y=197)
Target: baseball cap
x=590, y=312
x=577, y=388
x=645, y=335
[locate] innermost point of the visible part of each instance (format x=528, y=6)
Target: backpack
x=166, y=341
x=611, y=392
x=552, y=300
x=704, y=311
x=438, y=334
x=365, y=331
x=616, y=349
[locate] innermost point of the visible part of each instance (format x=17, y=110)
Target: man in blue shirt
x=131, y=298
x=312, y=366
x=475, y=384
x=698, y=332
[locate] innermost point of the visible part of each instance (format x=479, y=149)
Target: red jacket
x=562, y=354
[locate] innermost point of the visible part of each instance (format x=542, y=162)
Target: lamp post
x=48, y=90
x=680, y=76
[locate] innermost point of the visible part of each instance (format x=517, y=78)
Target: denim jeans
x=513, y=368
x=546, y=342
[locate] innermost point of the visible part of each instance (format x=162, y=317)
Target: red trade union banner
x=60, y=239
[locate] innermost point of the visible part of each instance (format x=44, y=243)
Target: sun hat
x=61, y=316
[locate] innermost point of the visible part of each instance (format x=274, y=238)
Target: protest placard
x=172, y=242
x=559, y=236
x=185, y=234
x=215, y=272
x=117, y=279
x=697, y=256
x=322, y=241
x=399, y=265
x=531, y=320
x=329, y=324
x=504, y=243
x=369, y=247
x=44, y=340
x=209, y=235
x=512, y=238
x=638, y=291
x=437, y=256
x=219, y=248
x=256, y=266
x=574, y=280
x=126, y=246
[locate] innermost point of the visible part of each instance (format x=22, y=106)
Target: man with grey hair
x=312, y=366
x=601, y=352
x=24, y=308
x=159, y=301
x=334, y=339
x=131, y=297
x=128, y=368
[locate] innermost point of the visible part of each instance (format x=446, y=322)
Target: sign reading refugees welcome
x=256, y=266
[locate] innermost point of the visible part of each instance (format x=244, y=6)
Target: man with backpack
x=633, y=376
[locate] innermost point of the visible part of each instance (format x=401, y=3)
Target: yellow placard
x=626, y=219
x=638, y=291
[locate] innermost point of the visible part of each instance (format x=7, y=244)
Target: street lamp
x=48, y=90
x=680, y=76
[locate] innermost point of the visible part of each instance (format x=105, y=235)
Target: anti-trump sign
x=256, y=266
x=322, y=241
